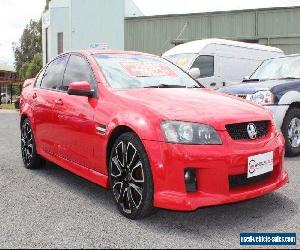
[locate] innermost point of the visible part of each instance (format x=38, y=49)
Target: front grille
x=239, y=131
x=242, y=180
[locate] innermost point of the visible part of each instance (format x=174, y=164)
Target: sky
x=15, y=14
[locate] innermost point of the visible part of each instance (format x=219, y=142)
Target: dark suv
x=276, y=85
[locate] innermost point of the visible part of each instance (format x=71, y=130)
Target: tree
x=30, y=46
x=23, y=71
x=47, y=5
x=32, y=68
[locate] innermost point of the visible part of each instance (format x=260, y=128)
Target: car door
x=74, y=115
x=206, y=65
x=43, y=99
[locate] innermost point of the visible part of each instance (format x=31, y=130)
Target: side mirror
x=195, y=73
x=81, y=89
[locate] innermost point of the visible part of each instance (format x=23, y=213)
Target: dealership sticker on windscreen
x=142, y=69
x=260, y=164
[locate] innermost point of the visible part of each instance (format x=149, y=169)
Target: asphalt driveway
x=52, y=208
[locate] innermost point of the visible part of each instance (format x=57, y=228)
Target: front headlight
x=264, y=97
x=190, y=133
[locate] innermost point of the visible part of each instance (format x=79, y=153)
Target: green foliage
x=47, y=5
x=7, y=106
x=28, y=53
x=16, y=90
x=30, y=69
x=23, y=71
x=35, y=66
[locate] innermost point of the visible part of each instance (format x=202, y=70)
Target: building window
x=2, y=74
x=60, y=42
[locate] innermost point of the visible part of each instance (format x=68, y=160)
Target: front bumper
x=214, y=165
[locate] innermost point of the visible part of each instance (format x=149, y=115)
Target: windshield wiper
x=289, y=78
x=251, y=80
x=161, y=86
x=195, y=87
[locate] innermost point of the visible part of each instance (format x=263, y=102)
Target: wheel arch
x=26, y=113
x=291, y=150
x=114, y=135
x=295, y=105
x=23, y=117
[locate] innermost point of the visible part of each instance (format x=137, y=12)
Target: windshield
x=279, y=68
x=142, y=71
x=183, y=61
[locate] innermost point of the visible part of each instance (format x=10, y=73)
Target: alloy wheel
x=127, y=176
x=27, y=143
x=294, y=132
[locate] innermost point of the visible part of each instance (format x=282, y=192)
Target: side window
x=77, y=70
x=39, y=78
x=54, y=73
x=206, y=65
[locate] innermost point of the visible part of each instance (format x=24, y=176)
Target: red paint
x=83, y=86
x=28, y=82
x=65, y=132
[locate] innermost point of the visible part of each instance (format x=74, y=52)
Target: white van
x=220, y=62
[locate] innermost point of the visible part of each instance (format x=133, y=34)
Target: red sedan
x=137, y=124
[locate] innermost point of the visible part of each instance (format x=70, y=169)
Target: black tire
x=292, y=115
x=30, y=157
x=130, y=177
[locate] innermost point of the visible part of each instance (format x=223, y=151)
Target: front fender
x=289, y=98
x=282, y=107
x=147, y=128
x=144, y=126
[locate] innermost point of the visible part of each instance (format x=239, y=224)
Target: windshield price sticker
x=142, y=69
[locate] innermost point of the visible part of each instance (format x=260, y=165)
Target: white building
x=82, y=24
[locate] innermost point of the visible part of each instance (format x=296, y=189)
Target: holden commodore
x=138, y=125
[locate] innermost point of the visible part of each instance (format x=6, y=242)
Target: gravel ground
x=52, y=208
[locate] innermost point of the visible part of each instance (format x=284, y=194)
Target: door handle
x=59, y=102
x=34, y=96
x=213, y=84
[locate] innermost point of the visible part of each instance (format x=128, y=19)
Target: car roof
x=91, y=52
x=198, y=45
x=120, y=52
x=286, y=56
x=282, y=57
